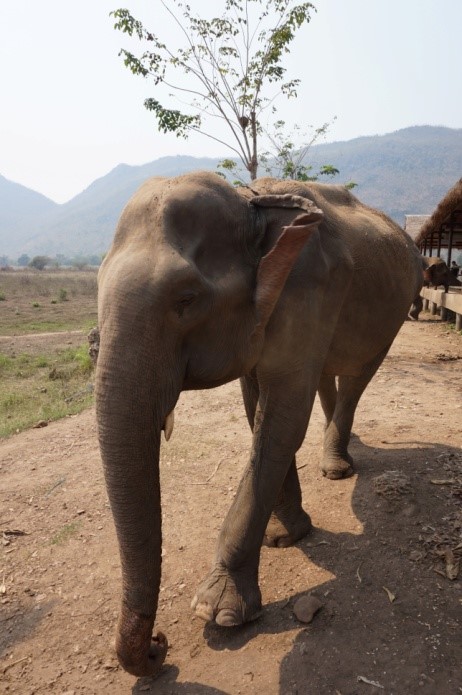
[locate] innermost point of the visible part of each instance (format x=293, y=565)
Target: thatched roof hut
x=414, y=223
x=443, y=229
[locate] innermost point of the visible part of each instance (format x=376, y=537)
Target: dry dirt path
x=380, y=557
x=38, y=343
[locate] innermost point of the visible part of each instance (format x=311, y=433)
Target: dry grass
x=45, y=380
x=43, y=387
x=42, y=301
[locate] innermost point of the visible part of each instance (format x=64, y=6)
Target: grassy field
x=44, y=377
x=42, y=301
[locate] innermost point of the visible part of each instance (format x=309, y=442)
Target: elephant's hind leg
x=339, y=410
x=288, y=522
x=337, y=462
x=416, y=308
x=327, y=391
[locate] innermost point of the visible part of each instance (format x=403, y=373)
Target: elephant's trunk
x=130, y=415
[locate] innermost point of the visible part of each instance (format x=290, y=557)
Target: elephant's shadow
x=148, y=685
x=357, y=616
x=338, y=552
x=384, y=592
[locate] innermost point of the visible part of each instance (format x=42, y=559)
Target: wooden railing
x=439, y=301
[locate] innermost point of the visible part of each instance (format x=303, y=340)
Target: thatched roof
x=414, y=223
x=452, y=202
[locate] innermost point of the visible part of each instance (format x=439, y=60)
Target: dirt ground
x=383, y=558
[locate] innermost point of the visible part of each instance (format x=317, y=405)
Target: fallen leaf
x=362, y=679
x=391, y=596
x=14, y=532
x=452, y=565
x=315, y=545
x=440, y=572
x=443, y=482
x=194, y=651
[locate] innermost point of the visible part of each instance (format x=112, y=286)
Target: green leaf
x=172, y=120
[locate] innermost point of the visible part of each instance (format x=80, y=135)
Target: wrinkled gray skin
x=204, y=284
x=435, y=273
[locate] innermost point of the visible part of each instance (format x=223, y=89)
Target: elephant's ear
x=275, y=267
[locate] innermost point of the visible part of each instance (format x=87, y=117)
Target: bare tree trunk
x=253, y=166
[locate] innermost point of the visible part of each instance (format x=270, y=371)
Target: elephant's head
x=436, y=272
x=185, y=294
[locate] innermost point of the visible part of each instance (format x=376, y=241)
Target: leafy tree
x=39, y=262
x=233, y=64
x=61, y=259
x=287, y=156
x=23, y=260
x=288, y=151
x=80, y=262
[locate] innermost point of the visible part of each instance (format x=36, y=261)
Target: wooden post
x=451, y=235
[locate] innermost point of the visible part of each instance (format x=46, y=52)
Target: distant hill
x=402, y=173
x=85, y=225
x=20, y=211
x=406, y=172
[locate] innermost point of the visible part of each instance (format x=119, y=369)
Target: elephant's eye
x=185, y=300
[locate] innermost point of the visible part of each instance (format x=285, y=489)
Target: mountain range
x=400, y=173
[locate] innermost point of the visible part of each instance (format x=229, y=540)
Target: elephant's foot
x=336, y=466
x=229, y=598
x=285, y=529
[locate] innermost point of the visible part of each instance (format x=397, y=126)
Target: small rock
x=306, y=607
x=41, y=423
x=416, y=555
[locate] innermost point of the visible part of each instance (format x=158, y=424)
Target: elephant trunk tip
x=139, y=652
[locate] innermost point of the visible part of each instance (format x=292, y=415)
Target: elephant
x=288, y=286
x=435, y=273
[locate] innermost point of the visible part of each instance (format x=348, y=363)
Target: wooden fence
x=439, y=301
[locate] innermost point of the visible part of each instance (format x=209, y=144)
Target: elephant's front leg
x=230, y=594
x=288, y=521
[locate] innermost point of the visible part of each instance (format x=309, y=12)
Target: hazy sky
x=70, y=110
